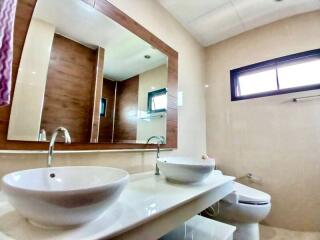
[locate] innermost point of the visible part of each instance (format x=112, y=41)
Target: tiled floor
x=272, y=233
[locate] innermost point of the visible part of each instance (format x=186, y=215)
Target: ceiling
x=124, y=51
x=211, y=21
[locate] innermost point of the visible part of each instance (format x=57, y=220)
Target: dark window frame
x=154, y=94
x=235, y=73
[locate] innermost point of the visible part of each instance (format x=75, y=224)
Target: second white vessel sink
x=184, y=169
x=64, y=196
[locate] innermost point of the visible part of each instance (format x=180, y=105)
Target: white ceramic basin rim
x=64, y=196
x=185, y=169
x=64, y=179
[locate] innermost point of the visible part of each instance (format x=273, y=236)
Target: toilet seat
x=246, y=195
x=245, y=208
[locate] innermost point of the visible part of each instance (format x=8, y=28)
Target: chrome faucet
x=67, y=139
x=160, y=140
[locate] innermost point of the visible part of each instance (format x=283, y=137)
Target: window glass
x=258, y=82
x=292, y=73
x=159, y=102
x=301, y=74
x=103, y=107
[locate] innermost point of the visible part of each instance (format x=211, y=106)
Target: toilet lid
x=247, y=194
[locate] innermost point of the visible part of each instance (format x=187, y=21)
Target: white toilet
x=245, y=208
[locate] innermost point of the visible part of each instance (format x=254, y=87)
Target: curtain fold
x=7, y=17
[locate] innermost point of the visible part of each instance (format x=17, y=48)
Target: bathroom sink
x=64, y=196
x=184, y=169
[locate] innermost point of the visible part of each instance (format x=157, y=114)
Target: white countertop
x=145, y=198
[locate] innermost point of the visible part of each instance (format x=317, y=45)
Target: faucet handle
x=42, y=136
x=66, y=134
x=163, y=139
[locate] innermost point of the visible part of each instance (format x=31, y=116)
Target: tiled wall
x=272, y=137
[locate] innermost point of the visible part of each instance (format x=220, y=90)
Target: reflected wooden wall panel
x=106, y=122
x=67, y=100
x=96, y=94
x=126, y=110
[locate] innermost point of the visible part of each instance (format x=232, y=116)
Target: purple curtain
x=7, y=17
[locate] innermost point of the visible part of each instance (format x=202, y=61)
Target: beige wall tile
x=271, y=137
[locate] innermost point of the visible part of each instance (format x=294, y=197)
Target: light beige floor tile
x=272, y=233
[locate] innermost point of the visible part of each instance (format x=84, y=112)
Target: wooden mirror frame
x=24, y=14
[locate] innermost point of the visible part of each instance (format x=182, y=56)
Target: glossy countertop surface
x=145, y=198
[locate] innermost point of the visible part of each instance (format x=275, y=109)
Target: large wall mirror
x=88, y=67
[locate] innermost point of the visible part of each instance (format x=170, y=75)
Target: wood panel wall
x=106, y=122
x=126, y=110
x=23, y=17
x=96, y=94
x=68, y=95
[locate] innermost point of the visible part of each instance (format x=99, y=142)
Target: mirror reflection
x=83, y=71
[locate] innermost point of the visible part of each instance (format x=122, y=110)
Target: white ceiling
x=211, y=21
x=124, y=51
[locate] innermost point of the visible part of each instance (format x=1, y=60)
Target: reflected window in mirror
x=103, y=107
x=157, y=101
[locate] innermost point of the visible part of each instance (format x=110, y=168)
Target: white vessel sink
x=64, y=196
x=184, y=169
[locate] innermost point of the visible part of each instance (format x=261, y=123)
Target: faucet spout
x=160, y=140
x=67, y=139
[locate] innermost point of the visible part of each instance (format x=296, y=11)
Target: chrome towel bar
x=308, y=98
